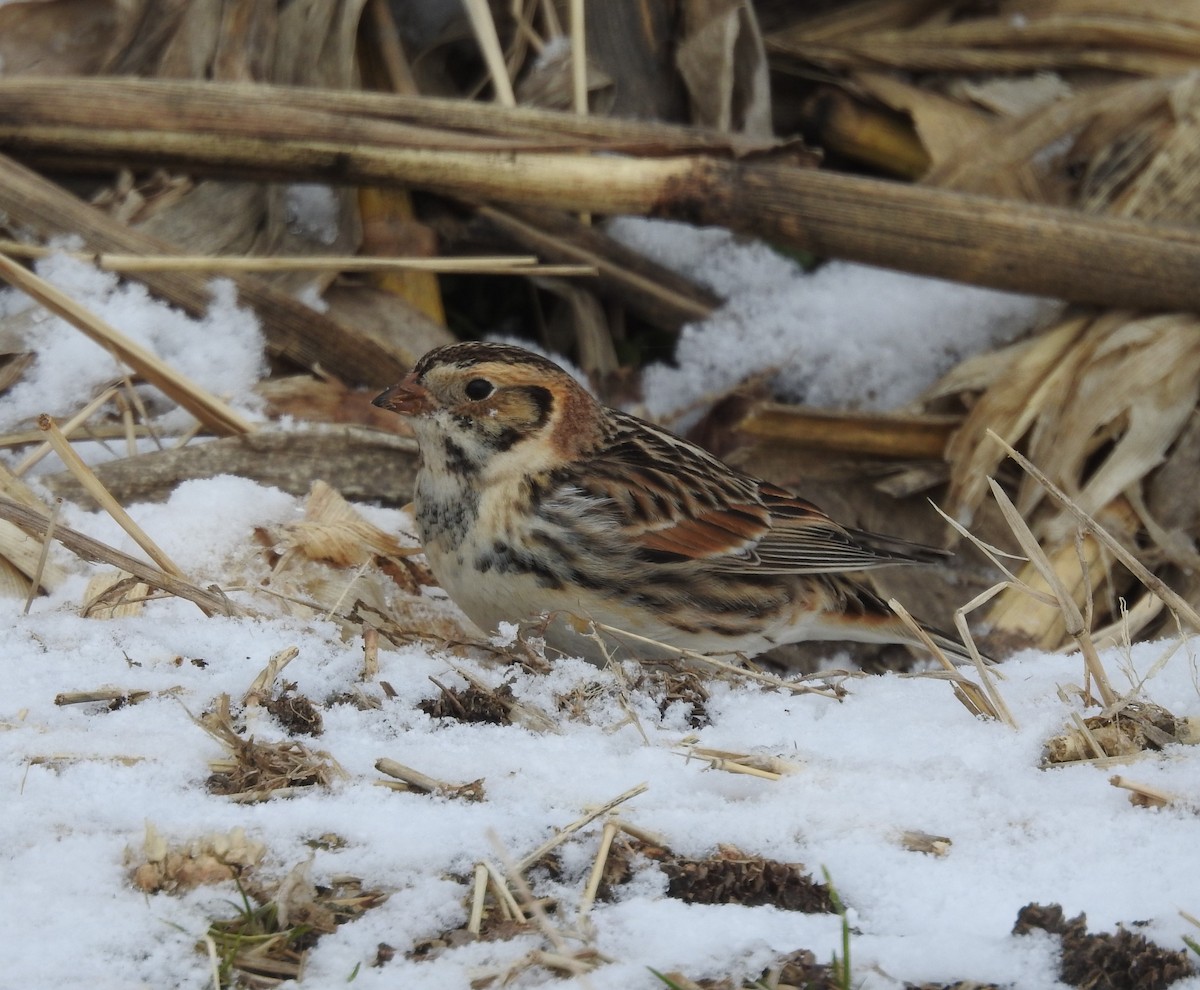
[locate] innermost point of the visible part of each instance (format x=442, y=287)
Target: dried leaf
x=59, y=37
x=1133, y=386
x=723, y=63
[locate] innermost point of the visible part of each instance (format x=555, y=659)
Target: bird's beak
x=409, y=398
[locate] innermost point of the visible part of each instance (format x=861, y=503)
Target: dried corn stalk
x=1099, y=400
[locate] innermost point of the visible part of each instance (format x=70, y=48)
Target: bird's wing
x=804, y=540
x=675, y=502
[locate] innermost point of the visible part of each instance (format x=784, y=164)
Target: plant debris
x=333, y=531
x=732, y=877
x=960, y=985
x=925, y=842
x=799, y=970
x=210, y=859
x=258, y=771
x=295, y=712
x=471, y=704
x=1121, y=960
x=407, y=779
x=267, y=941
x=672, y=686
x=1135, y=727
x=992, y=114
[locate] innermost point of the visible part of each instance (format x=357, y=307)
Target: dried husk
x=179, y=867
x=1099, y=399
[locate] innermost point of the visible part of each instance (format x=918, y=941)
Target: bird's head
x=486, y=406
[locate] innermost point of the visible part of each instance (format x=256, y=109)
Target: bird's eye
x=479, y=388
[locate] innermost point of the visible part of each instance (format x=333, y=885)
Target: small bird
x=539, y=506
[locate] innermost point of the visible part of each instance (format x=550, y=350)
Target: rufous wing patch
x=784, y=504
x=715, y=533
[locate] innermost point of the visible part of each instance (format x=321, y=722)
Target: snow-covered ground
x=79, y=784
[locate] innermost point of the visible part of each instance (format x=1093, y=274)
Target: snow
x=79, y=784
x=843, y=336
x=312, y=210
x=221, y=351
x=897, y=754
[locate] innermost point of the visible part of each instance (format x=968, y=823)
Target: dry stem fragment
x=69, y=427
x=413, y=780
x=208, y=600
x=264, y=683
x=752, y=764
x=1072, y=617
x=86, y=477
x=207, y=408
x=568, y=830
x=136, y=263
x=759, y=676
x=1143, y=795
x=43, y=557
x=611, y=828
x=1155, y=584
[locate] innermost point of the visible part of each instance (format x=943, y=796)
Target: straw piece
x=485, y=32
x=507, y=902
x=25, y=565
x=755, y=765
x=14, y=488
x=83, y=473
x=642, y=834
x=729, y=668
x=479, y=887
x=579, y=90
x=553, y=26
x=571, y=965
x=413, y=778
x=611, y=828
x=566, y=831
x=1135, y=566
x=257, y=797
x=68, y=759
x=1072, y=617
x=973, y=698
x=44, y=556
x=36, y=524
x=925, y=842
x=134, y=263
x=111, y=695
x=69, y=427
x=23, y=438
x=1143, y=795
x=207, y=408
x=1086, y=734
x=370, y=637
x=891, y=435
x=265, y=681
x=653, y=292
x=534, y=906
